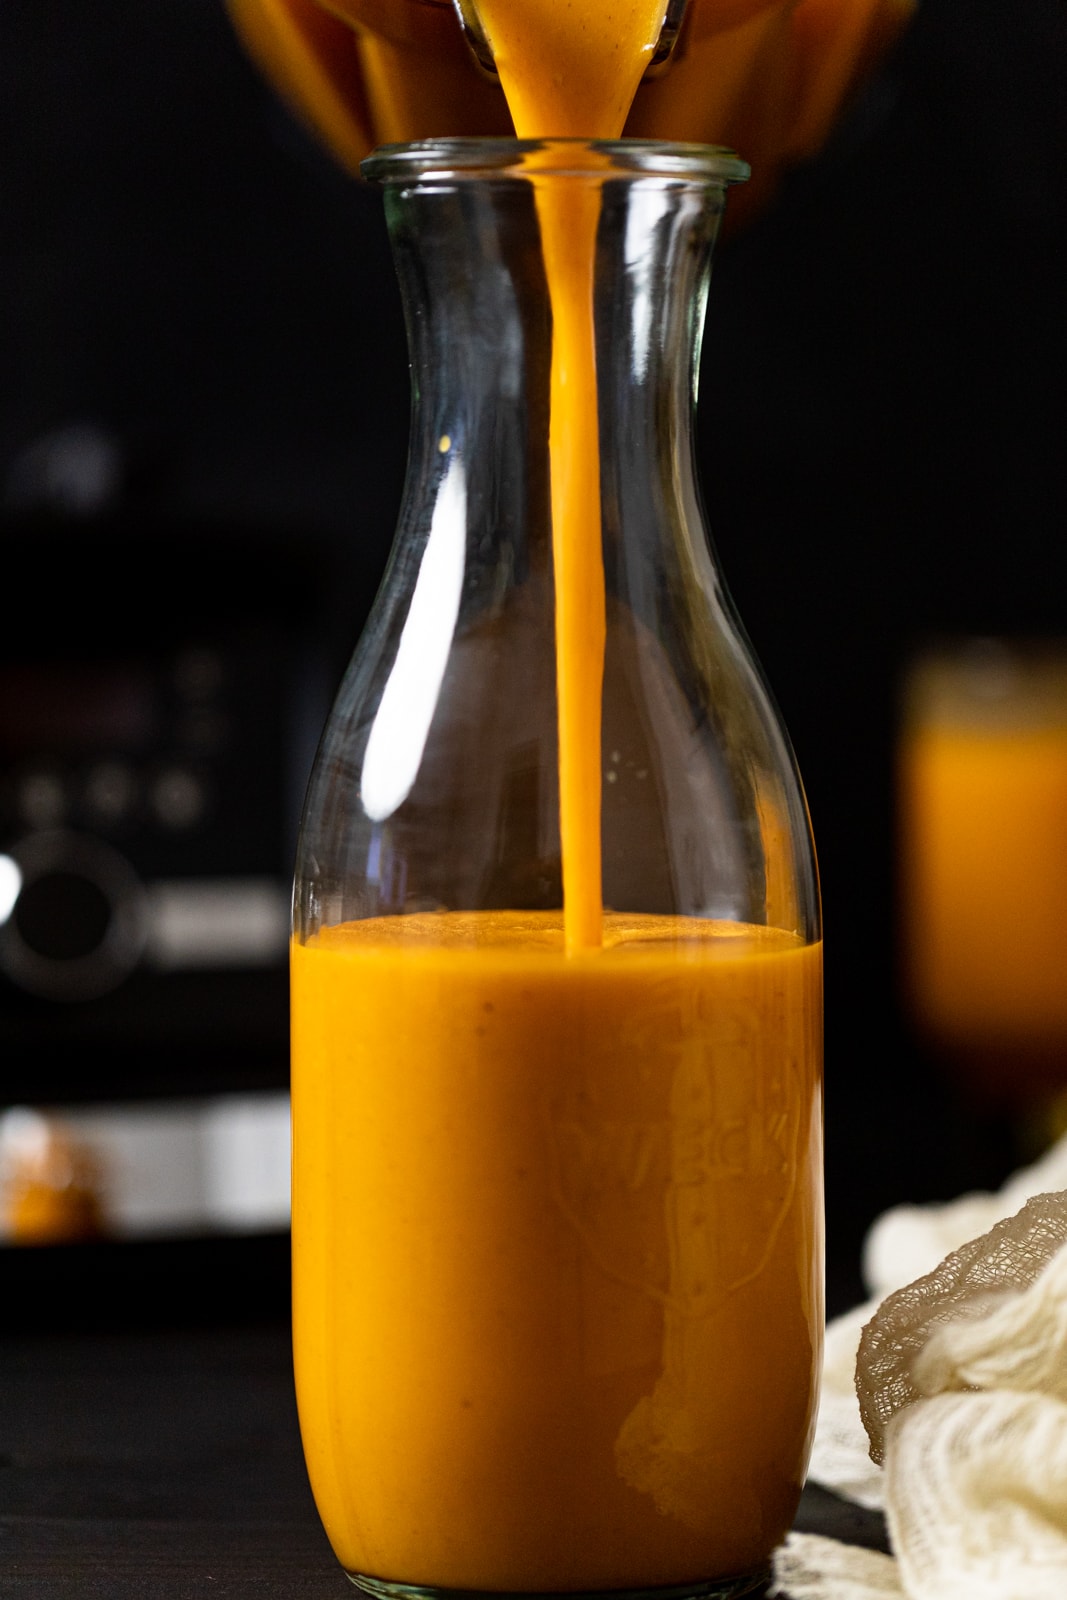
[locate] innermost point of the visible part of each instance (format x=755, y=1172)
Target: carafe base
x=729, y=1588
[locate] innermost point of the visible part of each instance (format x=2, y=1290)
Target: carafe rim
x=457, y=158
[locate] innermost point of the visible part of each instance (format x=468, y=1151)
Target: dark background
x=190, y=285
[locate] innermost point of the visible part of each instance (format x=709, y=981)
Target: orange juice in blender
x=768, y=78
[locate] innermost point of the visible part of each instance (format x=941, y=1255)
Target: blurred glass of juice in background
x=982, y=771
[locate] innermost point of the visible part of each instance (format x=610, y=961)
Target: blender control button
x=110, y=791
x=76, y=926
x=42, y=799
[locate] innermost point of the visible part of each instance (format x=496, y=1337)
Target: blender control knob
x=76, y=918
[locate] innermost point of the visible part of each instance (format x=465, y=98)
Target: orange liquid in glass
x=984, y=890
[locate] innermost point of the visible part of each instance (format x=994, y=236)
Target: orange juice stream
x=568, y=235
x=573, y=71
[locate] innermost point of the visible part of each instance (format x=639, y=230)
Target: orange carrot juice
x=557, y=1266
x=769, y=78
x=982, y=769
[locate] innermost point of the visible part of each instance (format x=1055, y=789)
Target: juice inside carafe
x=556, y=1246
x=556, y=1228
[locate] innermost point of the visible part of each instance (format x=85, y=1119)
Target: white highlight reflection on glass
x=10, y=886
x=400, y=728
x=639, y=270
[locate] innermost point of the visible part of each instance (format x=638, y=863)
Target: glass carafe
x=557, y=1203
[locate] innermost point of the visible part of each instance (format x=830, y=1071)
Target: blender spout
x=673, y=18
x=474, y=32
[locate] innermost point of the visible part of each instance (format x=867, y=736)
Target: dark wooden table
x=157, y=1457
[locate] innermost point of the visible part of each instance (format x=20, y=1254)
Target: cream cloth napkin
x=944, y=1403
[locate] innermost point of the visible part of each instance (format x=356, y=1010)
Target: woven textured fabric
x=969, y=1284
x=976, y=1497
x=811, y=1567
x=960, y=1411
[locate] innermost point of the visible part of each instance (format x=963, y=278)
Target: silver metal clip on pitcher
x=471, y=23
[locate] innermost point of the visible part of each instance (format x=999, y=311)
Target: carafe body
x=557, y=1194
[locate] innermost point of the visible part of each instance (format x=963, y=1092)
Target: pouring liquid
x=767, y=78
x=573, y=71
